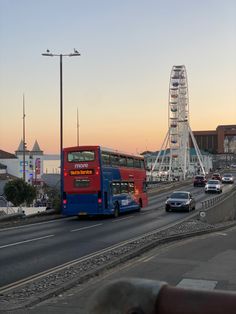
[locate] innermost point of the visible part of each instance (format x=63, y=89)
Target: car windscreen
x=228, y=175
x=213, y=182
x=179, y=195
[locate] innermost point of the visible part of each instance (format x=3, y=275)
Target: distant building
x=219, y=141
x=13, y=164
x=9, y=162
x=33, y=163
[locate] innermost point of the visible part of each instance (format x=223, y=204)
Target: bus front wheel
x=116, y=210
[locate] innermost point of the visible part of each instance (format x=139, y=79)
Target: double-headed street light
x=49, y=54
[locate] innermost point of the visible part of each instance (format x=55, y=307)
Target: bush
x=18, y=192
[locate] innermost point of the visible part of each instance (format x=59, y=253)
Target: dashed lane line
x=88, y=227
x=26, y=241
x=120, y=219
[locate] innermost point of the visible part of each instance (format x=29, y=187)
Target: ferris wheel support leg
x=163, y=156
x=165, y=141
x=199, y=155
x=170, y=165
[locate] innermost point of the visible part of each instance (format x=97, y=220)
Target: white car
x=213, y=186
x=227, y=178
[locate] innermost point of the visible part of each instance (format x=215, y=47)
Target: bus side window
x=142, y=164
x=131, y=187
x=122, y=161
x=124, y=188
x=114, y=160
x=137, y=163
x=130, y=162
x=115, y=188
x=105, y=159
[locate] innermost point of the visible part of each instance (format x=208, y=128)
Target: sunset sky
x=120, y=83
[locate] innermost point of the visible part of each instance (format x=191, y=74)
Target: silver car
x=180, y=200
x=213, y=186
x=227, y=178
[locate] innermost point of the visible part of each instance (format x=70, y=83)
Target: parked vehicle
x=180, y=200
x=216, y=176
x=227, y=178
x=199, y=180
x=213, y=186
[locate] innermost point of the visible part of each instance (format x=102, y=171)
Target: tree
x=18, y=191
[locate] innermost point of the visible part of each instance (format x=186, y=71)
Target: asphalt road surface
x=31, y=249
x=203, y=262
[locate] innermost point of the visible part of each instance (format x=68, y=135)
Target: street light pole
x=24, y=144
x=61, y=126
x=49, y=54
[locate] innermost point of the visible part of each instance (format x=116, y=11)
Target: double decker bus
x=101, y=181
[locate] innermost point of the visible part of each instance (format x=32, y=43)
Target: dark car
x=216, y=176
x=199, y=181
x=180, y=200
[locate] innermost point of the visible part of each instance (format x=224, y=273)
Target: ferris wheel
x=178, y=122
x=174, y=156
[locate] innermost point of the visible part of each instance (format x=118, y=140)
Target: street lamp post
x=49, y=54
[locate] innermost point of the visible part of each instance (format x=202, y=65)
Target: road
x=203, y=262
x=31, y=249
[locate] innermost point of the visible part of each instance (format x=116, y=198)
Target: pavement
x=203, y=262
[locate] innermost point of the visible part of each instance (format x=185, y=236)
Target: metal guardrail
x=142, y=296
x=212, y=201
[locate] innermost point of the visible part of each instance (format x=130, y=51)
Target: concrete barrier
x=220, y=210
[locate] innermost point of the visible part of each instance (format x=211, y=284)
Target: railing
x=142, y=296
x=212, y=201
x=5, y=209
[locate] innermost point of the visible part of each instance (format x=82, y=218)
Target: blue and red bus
x=101, y=181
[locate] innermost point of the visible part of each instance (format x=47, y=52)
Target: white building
x=33, y=163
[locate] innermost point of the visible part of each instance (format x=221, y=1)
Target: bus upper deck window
x=105, y=158
x=114, y=160
x=80, y=156
x=130, y=162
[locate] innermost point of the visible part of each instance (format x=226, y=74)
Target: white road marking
x=83, y=228
x=117, y=220
x=197, y=284
x=27, y=241
x=146, y=259
x=221, y=233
